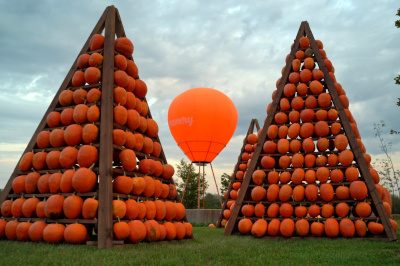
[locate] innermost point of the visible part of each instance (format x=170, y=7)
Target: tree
x=388, y=174
x=225, y=180
x=191, y=192
x=212, y=201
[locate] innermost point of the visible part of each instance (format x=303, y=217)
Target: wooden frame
x=375, y=199
x=106, y=170
x=253, y=123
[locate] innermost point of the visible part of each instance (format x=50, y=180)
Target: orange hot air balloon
x=202, y=121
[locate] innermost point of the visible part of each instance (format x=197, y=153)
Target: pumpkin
x=79, y=115
x=323, y=174
x=259, y=228
x=361, y=228
x=118, y=208
x=6, y=208
x=92, y=75
x=139, y=139
x=331, y=227
x=72, y=206
x=311, y=192
x=286, y=210
x=272, y=193
x=124, y=46
x=79, y=95
x=65, y=97
x=259, y=210
x=342, y=193
x=132, y=209
x=10, y=230
x=363, y=209
x=93, y=113
x=326, y=192
x=53, y=207
x=302, y=227
x=375, y=228
x=123, y=184
x=139, y=185
x=95, y=60
x=42, y=141
x=26, y=160
x=140, y=88
x=317, y=229
x=132, y=69
x=54, y=182
x=171, y=230
x=29, y=207
x=327, y=210
x=171, y=210
x=152, y=230
x=119, y=137
x=149, y=187
x=54, y=233
x=53, y=160
x=267, y=162
x=285, y=193
x=258, y=177
x=258, y=193
x=247, y=210
x=31, y=181
x=168, y=171
x=67, y=157
x=273, y=227
x=310, y=176
x=314, y=210
x=66, y=181
x=40, y=209
x=89, y=208
x=121, y=230
x=96, y=42
x=75, y=233
x=78, y=79
x=18, y=184
x=16, y=207
x=93, y=95
x=120, y=115
x=298, y=193
x=160, y=210
x=298, y=176
x=180, y=230
x=189, y=229
x=287, y=227
x=87, y=156
x=137, y=231
x=67, y=117
x=84, y=180
x=22, y=231
x=39, y=159
x=245, y=226
x=358, y=190
x=342, y=209
x=150, y=210
x=35, y=232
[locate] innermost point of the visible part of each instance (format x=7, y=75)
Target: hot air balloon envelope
x=202, y=121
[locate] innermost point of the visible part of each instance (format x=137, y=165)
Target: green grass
x=210, y=247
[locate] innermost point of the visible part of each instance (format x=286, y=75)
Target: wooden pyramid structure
x=94, y=171
x=238, y=174
x=310, y=173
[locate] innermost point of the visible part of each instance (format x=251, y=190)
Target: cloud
x=236, y=47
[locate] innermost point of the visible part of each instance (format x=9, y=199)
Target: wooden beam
x=105, y=232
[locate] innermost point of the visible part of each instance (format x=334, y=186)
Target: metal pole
x=198, y=190
x=220, y=201
x=203, y=187
x=187, y=179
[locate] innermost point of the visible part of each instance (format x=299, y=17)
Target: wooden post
x=105, y=232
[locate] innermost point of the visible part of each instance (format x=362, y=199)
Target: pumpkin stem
x=93, y=232
x=91, y=167
x=118, y=219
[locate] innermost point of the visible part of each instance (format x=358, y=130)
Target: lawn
x=210, y=247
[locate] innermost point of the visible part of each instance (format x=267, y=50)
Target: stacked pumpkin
x=59, y=178
x=307, y=181
x=235, y=184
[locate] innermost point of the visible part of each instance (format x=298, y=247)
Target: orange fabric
x=202, y=121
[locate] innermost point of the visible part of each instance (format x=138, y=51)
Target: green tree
x=212, y=201
x=191, y=192
x=225, y=180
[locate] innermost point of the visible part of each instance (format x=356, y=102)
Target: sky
x=236, y=47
